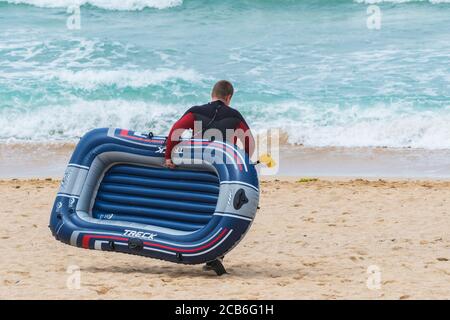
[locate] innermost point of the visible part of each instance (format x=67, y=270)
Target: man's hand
x=169, y=164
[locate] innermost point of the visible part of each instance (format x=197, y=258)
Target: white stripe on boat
x=66, y=195
x=77, y=166
x=232, y=216
x=212, y=248
x=240, y=182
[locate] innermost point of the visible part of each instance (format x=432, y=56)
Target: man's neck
x=214, y=99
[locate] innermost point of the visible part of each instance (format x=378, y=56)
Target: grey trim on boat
x=88, y=182
x=84, y=183
x=73, y=181
x=226, y=198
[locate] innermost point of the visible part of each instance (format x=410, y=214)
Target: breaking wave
x=126, y=5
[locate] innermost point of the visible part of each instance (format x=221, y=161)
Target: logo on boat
x=107, y=216
x=161, y=150
x=178, y=150
x=140, y=234
x=230, y=198
x=65, y=178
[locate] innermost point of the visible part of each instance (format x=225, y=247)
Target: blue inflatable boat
x=116, y=195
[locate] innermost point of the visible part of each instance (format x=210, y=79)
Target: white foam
x=129, y=5
x=396, y=125
x=91, y=79
x=67, y=123
x=400, y=1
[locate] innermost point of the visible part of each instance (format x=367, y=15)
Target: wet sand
x=310, y=240
x=49, y=160
x=34, y=160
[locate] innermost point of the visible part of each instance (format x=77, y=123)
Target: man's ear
x=229, y=99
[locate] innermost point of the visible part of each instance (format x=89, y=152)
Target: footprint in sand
x=10, y=282
x=21, y=273
x=444, y=272
x=310, y=264
x=299, y=276
x=103, y=290
x=283, y=283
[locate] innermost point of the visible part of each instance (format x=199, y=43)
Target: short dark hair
x=222, y=89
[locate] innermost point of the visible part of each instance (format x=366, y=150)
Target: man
x=217, y=115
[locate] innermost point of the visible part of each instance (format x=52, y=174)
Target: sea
x=327, y=73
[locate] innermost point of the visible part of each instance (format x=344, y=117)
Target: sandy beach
x=310, y=240
x=349, y=100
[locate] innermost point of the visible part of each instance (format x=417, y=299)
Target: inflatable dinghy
x=116, y=195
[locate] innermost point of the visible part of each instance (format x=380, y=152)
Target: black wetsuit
x=213, y=115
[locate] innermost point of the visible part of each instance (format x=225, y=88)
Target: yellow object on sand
x=267, y=160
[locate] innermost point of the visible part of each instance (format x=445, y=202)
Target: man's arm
x=185, y=122
x=246, y=137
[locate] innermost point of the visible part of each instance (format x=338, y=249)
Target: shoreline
x=41, y=160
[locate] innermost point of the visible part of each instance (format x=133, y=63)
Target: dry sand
x=313, y=239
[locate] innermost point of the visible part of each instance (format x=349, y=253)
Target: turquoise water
x=310, y=68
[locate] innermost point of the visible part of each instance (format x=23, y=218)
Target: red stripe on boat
x=87, y=237
x=126, y=134
x=157, y=245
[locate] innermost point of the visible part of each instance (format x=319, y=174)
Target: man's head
x=223, y=90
